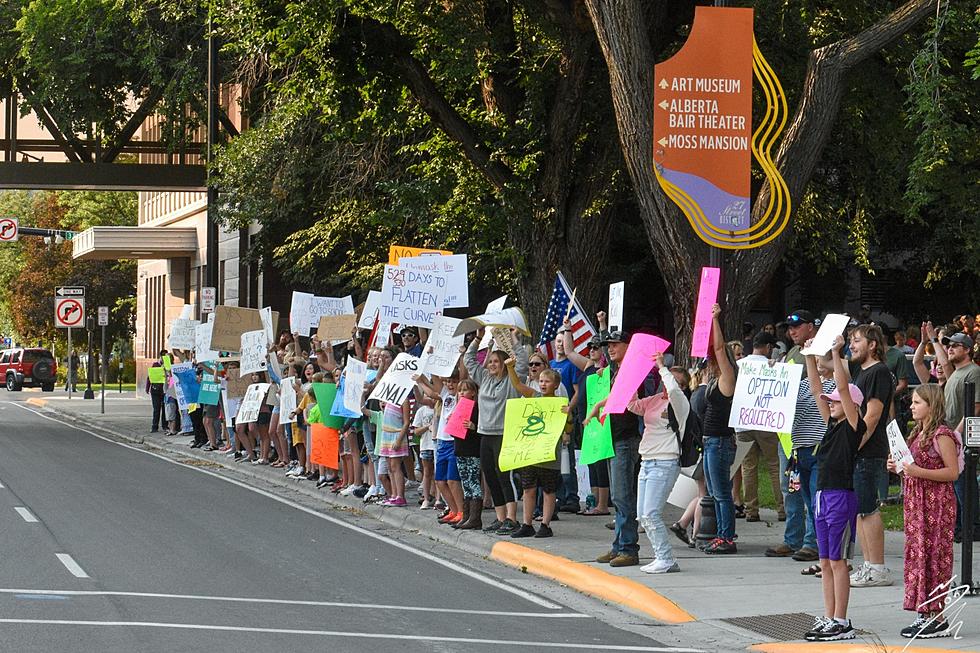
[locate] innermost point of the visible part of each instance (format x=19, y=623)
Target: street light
x=90, y=326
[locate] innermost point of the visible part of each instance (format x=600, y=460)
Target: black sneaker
x=359, y=492
x=834, y=632
x=721, y=546
x=492, y=527
x=922, y=628
x=819, y=625
x=544, y=531
x=526, y=530
x=508, y=527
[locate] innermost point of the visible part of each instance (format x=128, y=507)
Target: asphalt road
x=106, y=548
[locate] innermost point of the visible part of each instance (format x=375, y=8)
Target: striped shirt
x=809, y=427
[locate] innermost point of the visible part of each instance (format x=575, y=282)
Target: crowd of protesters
x=829, y=480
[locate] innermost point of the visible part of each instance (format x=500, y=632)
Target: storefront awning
x=109, y=243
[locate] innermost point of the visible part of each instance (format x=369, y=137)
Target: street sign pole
x=68, y=371
x=968, y=514
x=104, y=368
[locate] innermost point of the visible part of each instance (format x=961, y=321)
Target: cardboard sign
x=183, y=334
x=508, y=317
x=397, y=381
x=230, y=322
x=454, y=267
x=210, y=390
x=442, y=348
x=370, y=311
x=396, y=252
x=202, y=343
x=597, y=435
x=832, y=326
x=504, y=341
x=306, y=309
x=411, y=298
x=324, y=445
x=707, y=298
x=251, y=405
x=765, y=396
x=461, y=413
x=532, y=427
x=355, y=376
x=236, y=385
x=616, y=297
x=253, y=348
x=335, y=327
x=636, y=365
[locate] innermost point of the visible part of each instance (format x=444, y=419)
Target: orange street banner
x=397, y=252
x=702, y=130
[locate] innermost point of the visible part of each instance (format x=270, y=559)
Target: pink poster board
x=635, y=366
x=707, y=297
x=462, y=412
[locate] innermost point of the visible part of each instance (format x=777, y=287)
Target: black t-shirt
x=470, y=445
x=716, y=414
x=876, y=382
x=624, y=425
x=836, y=454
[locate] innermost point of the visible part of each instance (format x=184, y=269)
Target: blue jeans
x=959, y=487
x=568, y=488
x=622, y=483
x=800, y=530
x=719, y=455
x=657, y=478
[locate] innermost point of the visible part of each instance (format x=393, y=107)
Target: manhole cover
x=779, y=627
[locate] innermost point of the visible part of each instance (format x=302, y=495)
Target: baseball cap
x=958, y=339
x=616, y=336
x=595, y=342
x=763, y=338
x=802, y=316
x=856, y=395
x=409, y=329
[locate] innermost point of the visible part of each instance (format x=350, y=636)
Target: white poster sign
x=248, y=412
x=411, y=298
x=182, y=402
x=186, y=312
x=442, y=349
x=383, y=335
x=182, y=334
x=765, y=396
x=456, y=270
x=299, y=313
x=898, y=447
x=320, y=306
x=832, y=326
x=495, y=306
x=397, y=382
x=355, y=375
x=270, y=330
x=509, y=317
x=615, y=316
x=202, y=342
x=370, y=311
x=254, y=349
x=287, y=402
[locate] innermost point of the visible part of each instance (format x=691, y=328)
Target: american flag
x=582, y=330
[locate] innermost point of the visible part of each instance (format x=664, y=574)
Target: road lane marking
x=337, y=633
x=1, y=486
x=26, y=514
x=475, y=575
x=325, y=604
x=72, y=566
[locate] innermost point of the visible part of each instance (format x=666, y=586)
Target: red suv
x=34, y=367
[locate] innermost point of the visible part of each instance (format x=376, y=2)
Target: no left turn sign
x=9, y=231
x=69, y=312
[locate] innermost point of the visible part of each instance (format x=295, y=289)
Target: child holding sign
x=930, y=512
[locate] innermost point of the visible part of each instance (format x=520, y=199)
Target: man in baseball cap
x=410, y=340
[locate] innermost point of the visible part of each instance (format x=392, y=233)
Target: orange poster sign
x=324, y=445
x=396, y=252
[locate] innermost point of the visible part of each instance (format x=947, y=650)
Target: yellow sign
x=156, y=374
x=532, y=427
x=167, y=363
x=396, y=252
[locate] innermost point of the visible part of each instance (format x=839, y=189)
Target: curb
x=579, y=576
x=831, y=647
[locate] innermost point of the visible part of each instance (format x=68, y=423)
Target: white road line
x=325, y=604
x=1, y=486
x=336, y=633
x=524, y=594
x=72, y=566
x=26, y=514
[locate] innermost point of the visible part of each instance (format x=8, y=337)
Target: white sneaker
x=660, y=567
x=296, y=471
x=873, y=578
x=859, y=573
x=347, y=491
x=231, y=454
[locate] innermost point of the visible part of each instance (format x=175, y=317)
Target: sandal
x=593, y=512
x=812, y=570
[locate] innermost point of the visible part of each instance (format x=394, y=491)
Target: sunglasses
x=535, y=364
x=595, y=347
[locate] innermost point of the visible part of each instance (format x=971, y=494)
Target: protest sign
x=765, y=396
x=532, y=427
x=182, y=334
x=684, y=491
x=210, y=390
x=454, y=267
x=370, y=311
x=615, y=314
x=597, y=435
x=442, y=348
x=504, y=341
x=287, y=402
x=898, y=447
x=462, y=412
x=324, y=445
x=253, y=348
x=832, y=326
x=382, y=336
x=156, y=374
x=495, y=306
x=299, y=313
x=355, y=376
x=397, y=252
x=707, y=298
x=508, y=317
x=397, y=381
x=269, y=324
x=335, y=327
x=636, y=365
x=338, y=409
x=325, y=395
x=320, y=306
x=248, y=412
x=230, y=322
x=202, y=342
x=189, y=388
x=236, y=385
x=167, y=362
x=411, y=298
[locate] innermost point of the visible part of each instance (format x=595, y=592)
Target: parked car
x=32, y=367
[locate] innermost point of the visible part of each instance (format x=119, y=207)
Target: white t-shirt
x=448, y=406
x=423, y=417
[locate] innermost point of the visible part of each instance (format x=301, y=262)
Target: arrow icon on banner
x=662, y=142
x=663, y=83
x=663, y=105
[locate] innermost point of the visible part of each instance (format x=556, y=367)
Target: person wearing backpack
x=930, y=512
x=660, y=451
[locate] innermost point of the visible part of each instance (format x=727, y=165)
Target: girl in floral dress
x=930, y=513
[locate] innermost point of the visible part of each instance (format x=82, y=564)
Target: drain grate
x=778, y=627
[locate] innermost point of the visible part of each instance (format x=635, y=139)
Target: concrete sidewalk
x=744, y=599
